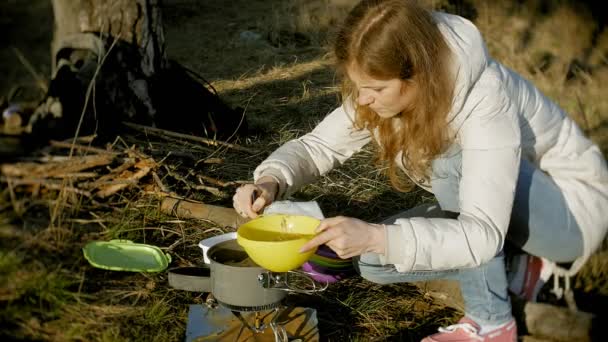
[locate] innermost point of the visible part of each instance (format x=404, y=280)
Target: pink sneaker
x=527, y=275
x=468, y=331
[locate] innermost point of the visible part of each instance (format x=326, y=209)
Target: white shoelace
x=468, y=327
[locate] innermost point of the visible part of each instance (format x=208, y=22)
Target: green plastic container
x=125, y=255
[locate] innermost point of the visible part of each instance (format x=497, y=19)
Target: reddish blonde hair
x=387, y=39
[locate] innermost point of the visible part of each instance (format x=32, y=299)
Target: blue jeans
x=541, y=224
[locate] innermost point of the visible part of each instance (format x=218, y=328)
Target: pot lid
x=125, y=255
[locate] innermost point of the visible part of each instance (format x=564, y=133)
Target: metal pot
x=235, y=279
x=238, y=283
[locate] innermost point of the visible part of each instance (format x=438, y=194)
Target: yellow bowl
x=273, y=241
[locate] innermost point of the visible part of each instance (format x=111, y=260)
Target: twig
x=76, y=175
x=46, y=159
x=215, y=229
x=101, y=221
x=239, y=125
x=85, y=139
x=191, y=185
x=108, y=179
x=75, y=164
x=41, y=83
x=97, y=184
x=178, y=177
x=214, y=191
x=174, y=221
x=175, y=244
x=159, y=182
x=153, y=228
x=219, y=182
x=144, y=167
x=211, y=161
x=581, y=107
x=62, y=144
x=71, y=189
x=211, y=142
x=16, y=207
x=189, y=145
x=83, y=221
x=52, y=185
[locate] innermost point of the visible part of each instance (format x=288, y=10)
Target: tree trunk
x=109, y=66
x=135, y=22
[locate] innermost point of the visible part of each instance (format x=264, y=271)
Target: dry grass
x=284, y=80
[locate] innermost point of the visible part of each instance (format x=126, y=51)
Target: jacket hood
x=469, y=58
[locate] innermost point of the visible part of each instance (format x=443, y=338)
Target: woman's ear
x=407, y=85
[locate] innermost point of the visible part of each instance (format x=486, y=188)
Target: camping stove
x=247, y=302
x=213, y=321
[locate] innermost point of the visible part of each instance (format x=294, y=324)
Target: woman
x=503, y=161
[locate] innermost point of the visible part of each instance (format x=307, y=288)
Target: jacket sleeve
x=490, y=142
x=300, y=161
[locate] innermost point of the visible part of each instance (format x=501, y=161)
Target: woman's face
x=385, y=97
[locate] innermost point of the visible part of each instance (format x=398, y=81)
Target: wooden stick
x=211, y=161
x=214, y=191
x=74, y=164
x=225, y=217
x=144, y=166
x=211, y=142
x=68, y=145
x=25, y=180
x=77, y=175
x=109, y=178
x=84, y=221
x=159, y=182
x=219, y=182
x=52, y=185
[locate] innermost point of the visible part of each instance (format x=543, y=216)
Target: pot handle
x=196, y=279
x=285, y=282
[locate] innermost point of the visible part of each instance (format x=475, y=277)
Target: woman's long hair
x=388, y=39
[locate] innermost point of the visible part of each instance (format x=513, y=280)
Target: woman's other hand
x=349, y=237
x=250, y=199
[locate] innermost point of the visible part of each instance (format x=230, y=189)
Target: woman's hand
x=348, y=237
x=250, y=199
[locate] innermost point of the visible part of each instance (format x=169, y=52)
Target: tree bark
x=135, y=22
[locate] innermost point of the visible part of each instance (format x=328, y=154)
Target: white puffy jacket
x=498, y=118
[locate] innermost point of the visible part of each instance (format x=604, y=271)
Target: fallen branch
x=72, y=165
x=77, y=175
x=109, y=179
x=49, y=184
x=161, y=133
x=68, y=145
x=225, y=217
x=144, y=167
